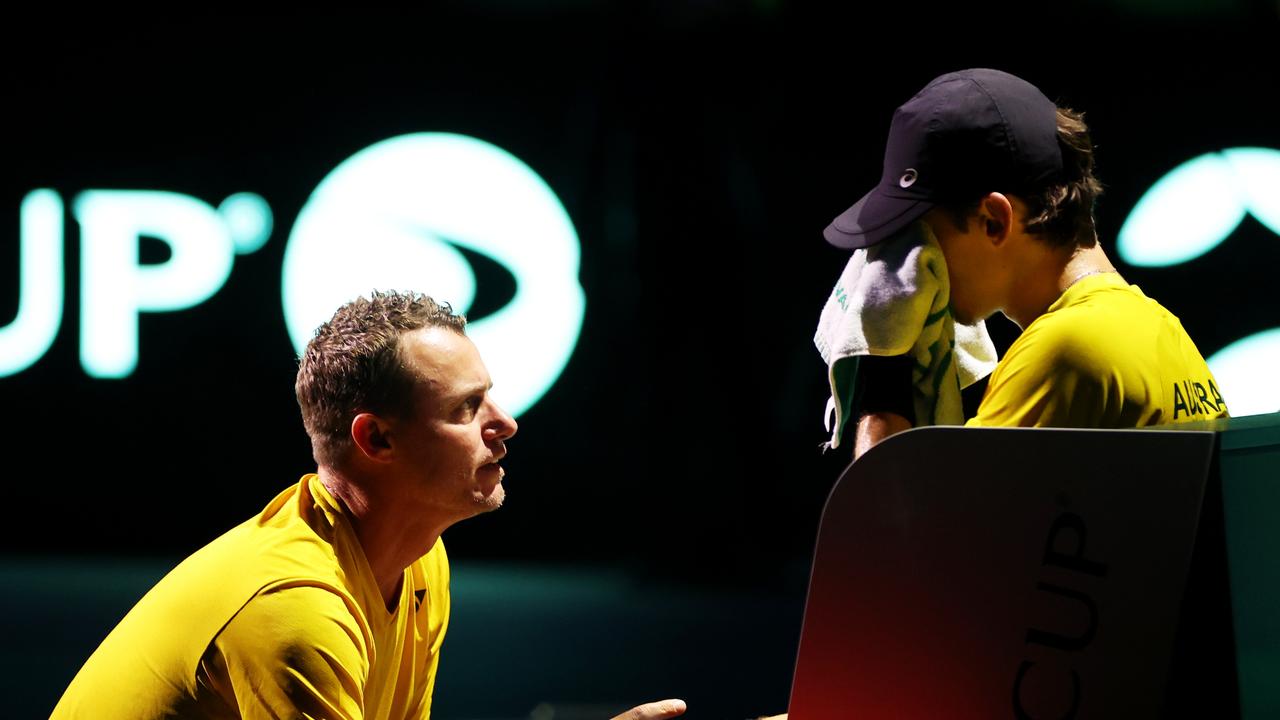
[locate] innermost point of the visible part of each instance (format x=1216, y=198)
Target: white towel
x=893, y=299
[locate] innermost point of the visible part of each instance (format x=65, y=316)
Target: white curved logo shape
x=1198, y=204
x=388, y=218
x=1246, y=372
x=1191, y=211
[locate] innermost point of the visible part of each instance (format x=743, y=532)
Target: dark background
x=699, y=148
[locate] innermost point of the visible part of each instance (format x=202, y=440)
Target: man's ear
x=995, y=212
x=371, y=436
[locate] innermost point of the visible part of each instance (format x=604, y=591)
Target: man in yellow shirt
x=1004, y=179
x=334, y=601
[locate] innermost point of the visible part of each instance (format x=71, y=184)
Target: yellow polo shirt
x=278, y=618
x=1102, y=356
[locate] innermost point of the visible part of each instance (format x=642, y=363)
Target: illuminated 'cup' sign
x=388, y=218
x=114, y=286
x=1189, y=212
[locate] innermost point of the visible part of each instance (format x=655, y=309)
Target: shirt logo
x=1194, y=398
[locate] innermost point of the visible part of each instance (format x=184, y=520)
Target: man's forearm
x=876, y=426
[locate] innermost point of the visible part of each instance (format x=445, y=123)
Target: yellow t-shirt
x=1102, y=356
x=279, y=618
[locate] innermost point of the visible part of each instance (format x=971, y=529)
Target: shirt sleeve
x=296, y=652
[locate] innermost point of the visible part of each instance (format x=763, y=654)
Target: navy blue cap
x=965, y=134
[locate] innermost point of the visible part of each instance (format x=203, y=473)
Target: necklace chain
x=1084, y=275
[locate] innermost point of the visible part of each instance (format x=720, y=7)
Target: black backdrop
x=699, y=149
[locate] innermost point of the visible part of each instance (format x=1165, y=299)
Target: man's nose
x=503, y=425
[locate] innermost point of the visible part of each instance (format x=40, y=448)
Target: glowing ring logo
x=389, y=218
x=1198, y=204
x=1191, y=211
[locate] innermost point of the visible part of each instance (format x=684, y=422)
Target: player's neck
x=392, y=534
x=1047, y=275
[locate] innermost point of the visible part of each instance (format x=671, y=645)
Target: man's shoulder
x=266, y=548
x=214, y=582
x=1109, y=306
x=1105, y=328
x=1070, y=336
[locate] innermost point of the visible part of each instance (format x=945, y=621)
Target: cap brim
x=874, y=218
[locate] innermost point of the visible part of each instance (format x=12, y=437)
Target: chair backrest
x=989, y=573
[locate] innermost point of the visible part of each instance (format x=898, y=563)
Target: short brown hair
x=353, y=364
x=1061, y=212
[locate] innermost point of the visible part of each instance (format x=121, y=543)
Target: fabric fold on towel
x=893, y=298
